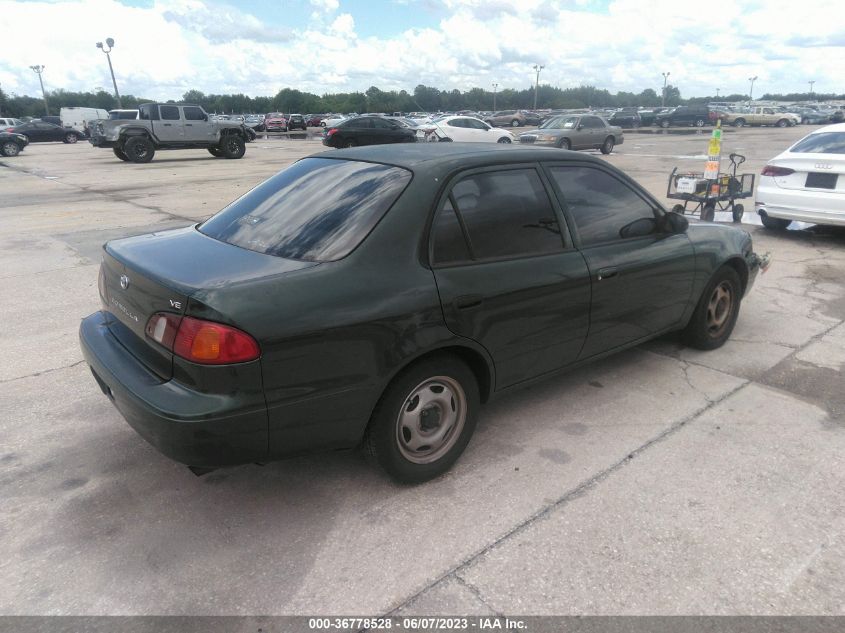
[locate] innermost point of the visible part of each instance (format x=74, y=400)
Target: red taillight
x=331, y=131
x=771, y=170
x=201, y=341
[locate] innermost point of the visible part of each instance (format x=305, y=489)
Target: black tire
x=699, y=122
x=708, y=212
x=119, y=153
x=70, y=137
x=739, y=123
x=607, y=146
x=139, y=149
x=715, y=315
x=515, y=123
x=775, y=224
x=232, y=146
x=782, y=123
x=349, y=143
x=665, y=124
x=10, y=148
x=389, y=438
x=216, y=152
x=678, y=208
x=565, y=143
x=504, y=139
x=737, y=212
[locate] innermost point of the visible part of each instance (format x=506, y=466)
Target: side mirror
x=674, y=223
x=638, y=228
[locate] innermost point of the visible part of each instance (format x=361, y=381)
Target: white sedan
x=806, y=182
x=467, y=129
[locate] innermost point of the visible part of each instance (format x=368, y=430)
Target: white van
x=78, y=117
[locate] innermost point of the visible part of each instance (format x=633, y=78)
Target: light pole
x=537, y=69
x=665, y=79
x=110, y=45
x=811, y=88
x=495, y=85
x=751, y=90
x=717, y=93
x=38, y=70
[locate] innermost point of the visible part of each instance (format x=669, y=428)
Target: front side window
x=169, y=113
x=193, y=113
x=296, y=216
x=505, y=214
x=603, y=208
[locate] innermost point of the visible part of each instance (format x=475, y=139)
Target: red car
x=276, y=122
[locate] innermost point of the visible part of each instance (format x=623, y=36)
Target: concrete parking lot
x=660, y=481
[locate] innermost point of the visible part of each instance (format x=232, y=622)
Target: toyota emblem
x=124, y=282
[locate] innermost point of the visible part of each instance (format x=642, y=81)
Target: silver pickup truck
x=168, y=126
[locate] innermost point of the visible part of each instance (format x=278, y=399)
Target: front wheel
x=708, y=212
x=607, y=146
x=739, y=123
x=10, y=148
x=71, y=137
x=565, y=143
x=233, y=146
x=504, y=139
x=737, y=212
x=424, y=420
x=782, y=123
x=716, y=313
x=699, y=123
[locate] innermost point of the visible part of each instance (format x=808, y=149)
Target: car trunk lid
x=814, y=172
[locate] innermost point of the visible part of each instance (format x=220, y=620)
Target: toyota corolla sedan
x=806, y=182
x=383, y=310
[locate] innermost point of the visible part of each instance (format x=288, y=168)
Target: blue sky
x=166, y=47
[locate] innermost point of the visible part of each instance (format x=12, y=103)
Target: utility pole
x=717, y=93
x=811, y=88
x=537, y=69
x=665, y=79
x=495, y=85
x=38, y=70
x=110, y=45
x=751, y=90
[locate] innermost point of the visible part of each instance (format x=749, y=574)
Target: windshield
x=560, y=123
x=823, y=143
x=318, y=209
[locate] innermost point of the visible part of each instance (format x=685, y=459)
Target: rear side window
x=318, y=209
x=169, y=113
x=505, y=214
x=823, y=143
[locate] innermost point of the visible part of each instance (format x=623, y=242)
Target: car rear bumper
x=818, y=207
x=198, y=429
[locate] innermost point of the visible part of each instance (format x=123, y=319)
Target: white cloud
x=175, y=45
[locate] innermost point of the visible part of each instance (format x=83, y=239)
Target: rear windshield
x=318, y=209
x=823, y=143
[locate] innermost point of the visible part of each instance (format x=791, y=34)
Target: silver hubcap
x=431, y=420
x=719, y=309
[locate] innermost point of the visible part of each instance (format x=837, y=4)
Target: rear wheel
x=139, y=149
x=708, y=212
x=424, y=420
x=607, y=146
x=10, y=148
x=776, y=224
x=782, y=123
x=233, y=146
x=71, y=137
x=699, y=122
x=515, y=123
x=739, y=123
x=715, y=315
x=119, y=153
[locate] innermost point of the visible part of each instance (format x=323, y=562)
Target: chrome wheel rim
x=719, y=309
x=431, y=420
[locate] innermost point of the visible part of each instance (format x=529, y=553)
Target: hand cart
x=705, y=195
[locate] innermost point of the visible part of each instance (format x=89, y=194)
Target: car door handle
x=467, y=302
x=606, y=273
x=167, y=124
x=189, y=124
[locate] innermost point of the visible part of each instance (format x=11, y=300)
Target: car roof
x=836, y=127
x=410, y=155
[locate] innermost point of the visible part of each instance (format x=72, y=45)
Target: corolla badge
x=823, y=166
x=124, y=282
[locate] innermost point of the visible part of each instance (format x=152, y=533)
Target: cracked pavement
x=661, y=481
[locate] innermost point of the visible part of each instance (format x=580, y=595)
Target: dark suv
x=698, y=116
x=297, y=122
x=625, y=118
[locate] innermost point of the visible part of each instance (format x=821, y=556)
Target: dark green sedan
x=376, y=296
